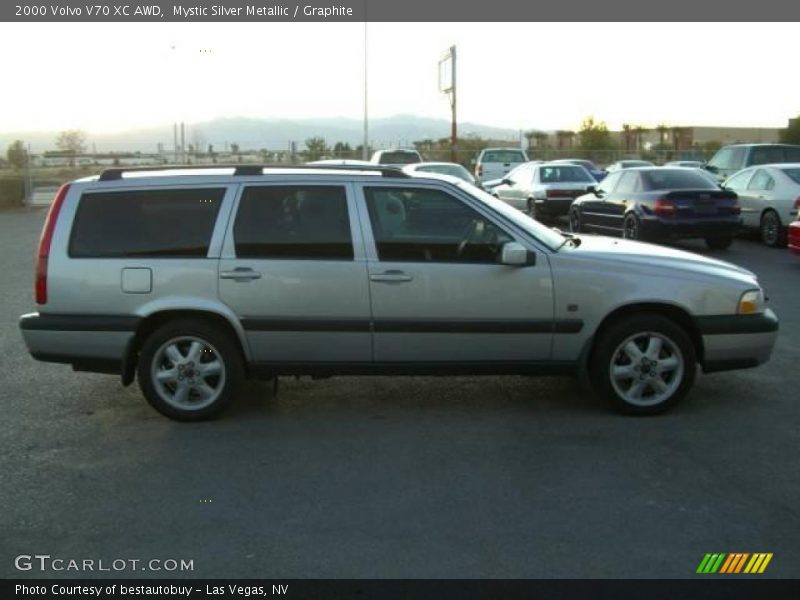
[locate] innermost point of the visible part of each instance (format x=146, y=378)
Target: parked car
x=496, y=163
x=593, y=169
x=443, y=168
x=770, y=198
x=544, y=190
x=627, y=164
x=491, y=185
x=794, y=236
x=659, y=203
x=694, y=164
x=334, y=271
x=396, y=156
x=340, y=161
x=730, y=159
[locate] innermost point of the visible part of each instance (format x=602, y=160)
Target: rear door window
x=293, y=222
x=145, y=223
x=628, y=183
x=761, y=181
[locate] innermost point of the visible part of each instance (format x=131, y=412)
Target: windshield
x=564, y=174
x=676, y=179
x=399, y=158
x=550, y=238
x=502, y=156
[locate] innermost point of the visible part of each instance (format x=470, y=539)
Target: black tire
x=640, y=329
x=194, y=371
x=575, y=221
x=631, y=228
x=771, y=231
x=719, y=242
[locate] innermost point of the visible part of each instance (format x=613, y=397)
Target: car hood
x=654, y=256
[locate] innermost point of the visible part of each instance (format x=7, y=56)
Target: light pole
x=447, y=85
x=365, y=147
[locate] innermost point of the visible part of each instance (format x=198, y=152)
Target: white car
x=396, y=156
x=770, y=198
x=496, y=163
x=442, y=168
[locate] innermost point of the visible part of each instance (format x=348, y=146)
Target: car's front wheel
x=643, y=364
x=575, y=224
x=189, y=369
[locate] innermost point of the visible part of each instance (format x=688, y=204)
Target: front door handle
x=392, y=276
x=240, y=274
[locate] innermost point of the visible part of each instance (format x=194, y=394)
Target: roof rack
x=116, y=173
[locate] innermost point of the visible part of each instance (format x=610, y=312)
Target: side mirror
x=711, y=168
x=591, y=189
x=506, y=181
x=516, y=255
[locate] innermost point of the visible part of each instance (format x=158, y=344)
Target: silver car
x=770, y=199
x=544, y=190
x=192, y=280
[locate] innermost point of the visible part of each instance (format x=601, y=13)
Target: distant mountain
x=272, y=134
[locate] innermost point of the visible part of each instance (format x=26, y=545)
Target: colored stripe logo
x=733, y=563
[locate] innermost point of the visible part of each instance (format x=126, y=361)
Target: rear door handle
x=391, y=276
x=240, y=274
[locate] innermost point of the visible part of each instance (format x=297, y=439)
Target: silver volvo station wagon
x=193, y=279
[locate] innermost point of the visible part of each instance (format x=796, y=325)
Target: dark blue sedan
x=658, y=204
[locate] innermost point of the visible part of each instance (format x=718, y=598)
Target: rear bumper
x=554, y=207
x=737, y=341
x=686, y=228
x=88, y=343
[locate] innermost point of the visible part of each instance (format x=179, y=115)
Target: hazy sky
x=109, y=77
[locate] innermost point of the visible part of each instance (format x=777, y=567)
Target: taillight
x=45, y=240
x=664, y=207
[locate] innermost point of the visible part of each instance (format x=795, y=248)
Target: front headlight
x=751, y=302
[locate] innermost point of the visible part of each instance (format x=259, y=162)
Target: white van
x=494, y=163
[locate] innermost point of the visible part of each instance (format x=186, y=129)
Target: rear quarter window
x=145, y=223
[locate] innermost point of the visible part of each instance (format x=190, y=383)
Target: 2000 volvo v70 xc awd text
x=196, y=278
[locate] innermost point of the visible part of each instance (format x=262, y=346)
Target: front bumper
x=737, y=341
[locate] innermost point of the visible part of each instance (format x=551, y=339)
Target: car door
x=439, y=294
x=293, y=271
x=739, y=183
x=513, y=192
x=759, y=196
x=594, y=210
x=623, y=197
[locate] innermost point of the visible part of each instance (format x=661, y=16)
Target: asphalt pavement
x=497, y=477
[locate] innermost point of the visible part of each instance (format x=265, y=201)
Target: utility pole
x=447, y=85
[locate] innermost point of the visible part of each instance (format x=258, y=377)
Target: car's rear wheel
x=719, y=242
x=772, y=232
x=631, y=228
x=575, y=224
x=189, y=370
x=643, y=364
